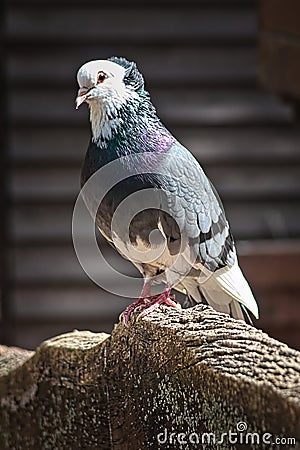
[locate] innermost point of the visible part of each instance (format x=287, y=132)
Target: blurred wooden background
x=200, y=62
x=280, y=48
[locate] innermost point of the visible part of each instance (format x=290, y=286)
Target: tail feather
x=235, y=284
x=238, y=312
x=226, y=291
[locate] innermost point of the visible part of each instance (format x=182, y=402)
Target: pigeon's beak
x=81, y=97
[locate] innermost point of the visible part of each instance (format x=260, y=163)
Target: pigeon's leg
x=146, y=291
x=157, y=300
x=141, y=301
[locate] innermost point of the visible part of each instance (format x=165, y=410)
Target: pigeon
x=197, y=254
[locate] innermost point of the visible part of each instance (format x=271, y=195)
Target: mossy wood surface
x=183, y=372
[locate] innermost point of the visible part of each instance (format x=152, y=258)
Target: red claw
x=150, y=303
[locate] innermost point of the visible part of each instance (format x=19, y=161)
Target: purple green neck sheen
x=139, y=130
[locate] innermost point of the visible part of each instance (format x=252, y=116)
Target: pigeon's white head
x=107, y=85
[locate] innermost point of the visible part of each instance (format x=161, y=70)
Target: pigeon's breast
x=119, y=209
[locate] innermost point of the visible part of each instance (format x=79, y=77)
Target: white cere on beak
x=81, y=97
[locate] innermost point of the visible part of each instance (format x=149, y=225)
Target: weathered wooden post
x=175, y=379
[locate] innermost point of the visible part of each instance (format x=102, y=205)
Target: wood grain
x=190, y=371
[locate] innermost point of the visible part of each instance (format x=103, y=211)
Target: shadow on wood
x=171, y=380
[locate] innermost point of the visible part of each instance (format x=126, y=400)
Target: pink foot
x=145, y=295
x=125, y=316
x=157, y=300
x=149, y=304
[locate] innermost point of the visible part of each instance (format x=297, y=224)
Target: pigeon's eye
x=101, y=77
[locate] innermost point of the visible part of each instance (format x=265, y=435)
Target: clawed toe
x=149, y=304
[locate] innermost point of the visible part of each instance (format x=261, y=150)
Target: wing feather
x=198, y=210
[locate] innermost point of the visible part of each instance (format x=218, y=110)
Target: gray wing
x=195, y=205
